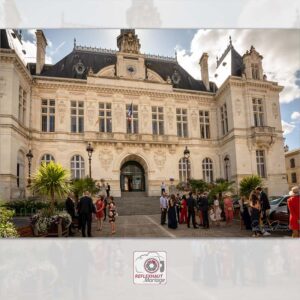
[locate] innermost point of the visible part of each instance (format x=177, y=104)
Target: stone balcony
x=263, y=136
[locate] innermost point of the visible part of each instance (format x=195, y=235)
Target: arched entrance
x=132, y=177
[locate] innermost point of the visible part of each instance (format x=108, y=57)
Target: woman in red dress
x=294, y=208
x=99, y=212
x=183, y=212
x=228, y=208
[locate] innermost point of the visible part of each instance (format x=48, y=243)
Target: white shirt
x=163, y=202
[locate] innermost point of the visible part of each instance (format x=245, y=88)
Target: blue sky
x=281, y=61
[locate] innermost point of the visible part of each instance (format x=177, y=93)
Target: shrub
x=7, y=228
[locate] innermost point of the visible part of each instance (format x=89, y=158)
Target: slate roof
x=3, y=39
x=98, y=60
x=237, y=65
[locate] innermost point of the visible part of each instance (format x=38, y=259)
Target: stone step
x=127, y=206
x=133, y=194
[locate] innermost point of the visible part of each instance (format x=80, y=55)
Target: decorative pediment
x=153, y=76
x=108, y=71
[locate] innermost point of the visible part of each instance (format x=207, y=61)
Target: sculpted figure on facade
x=91, y=113
x=160, y=158
x=106, y=158
x=62, y=107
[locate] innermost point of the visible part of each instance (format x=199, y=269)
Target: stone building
x=292, y=162
x=139, y=112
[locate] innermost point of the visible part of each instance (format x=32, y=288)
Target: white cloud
x=280, y=49
x=287, y=127
x=295, y=116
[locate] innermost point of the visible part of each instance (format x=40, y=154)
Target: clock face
x=131, y=70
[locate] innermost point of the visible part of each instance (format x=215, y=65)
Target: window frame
x=157, y=113
x=48, y=114
x=208, y=170
x=261, y=163
x=132, y=125
x=258, y=112
x=182, y=122
x=204, y=121
x=77, y=118
x=77, y=159
x=105, y=120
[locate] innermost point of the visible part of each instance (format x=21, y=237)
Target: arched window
x=227, y=170
x=77, y=167
x=207, y=167
x=21, y=170
x=46, y=158
x=184, y=170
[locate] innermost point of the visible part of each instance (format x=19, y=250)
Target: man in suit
x=86, y=208
x=107, y=190
x=265, y=205
x=163, y=208
x=191, y=205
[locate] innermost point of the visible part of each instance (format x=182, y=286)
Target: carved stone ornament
x=160, y=159
x=91, y=113
x=194, y=119
x=145, y=116
x=275, y=110
x=106, y=158
x=119, y=113
x=170, y=117
x=2, y=86
x=61, y=110
x=238, y=107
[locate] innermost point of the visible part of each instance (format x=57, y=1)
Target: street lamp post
x=29, y=156
x=90, y=151
x=186, y=154
x=226, y=160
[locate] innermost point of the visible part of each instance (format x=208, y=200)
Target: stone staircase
x=137, y=203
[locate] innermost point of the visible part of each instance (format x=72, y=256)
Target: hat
x=294, y=191
x=228, y=194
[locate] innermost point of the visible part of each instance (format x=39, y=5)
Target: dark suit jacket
x=86, y=206
x=265, y=204
x=191, y=203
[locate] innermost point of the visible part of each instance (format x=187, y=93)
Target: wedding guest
x=217, y=210
x=99, y=212
x=228, y=208
x=70, y=208
x=183, y=211
x=86, y=208
x=163, y=208
x=191, y=205
x=172, y=216
x=294, y=208
x=112, y=214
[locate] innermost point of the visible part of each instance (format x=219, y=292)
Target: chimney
x=204, y=70
x=41, y=44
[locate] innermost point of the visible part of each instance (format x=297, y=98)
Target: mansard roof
x=97, y=59
x=237, y=65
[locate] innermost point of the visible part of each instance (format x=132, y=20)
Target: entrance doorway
x=132, y=177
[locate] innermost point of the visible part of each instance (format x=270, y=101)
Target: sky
x=280, y=49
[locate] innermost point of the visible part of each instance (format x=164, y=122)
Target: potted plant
x=51, y=180
x=7, y=228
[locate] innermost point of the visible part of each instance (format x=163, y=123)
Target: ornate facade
x=139, y=112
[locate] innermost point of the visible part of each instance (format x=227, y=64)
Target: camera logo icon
x=150, y=267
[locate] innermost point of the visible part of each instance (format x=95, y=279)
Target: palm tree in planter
x=248, y=184
x=51, y=180
x=221, y=186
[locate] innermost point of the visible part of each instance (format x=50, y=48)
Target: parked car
x=279, y=210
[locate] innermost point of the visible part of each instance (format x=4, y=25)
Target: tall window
x=224, y=119
x=132, y=118
x=204, y=124
x=46, y=158
x=258, y=112
x=77, y=167
x=22, y=106
x=294, y=177
x=20, y=170
x=48, y=115
x=255, y=71
x=105, y=120
x=77, y=116
x=182, y=123
x=292, y=163
x=260, y=162
x=157, y=120
x=184, y=170
x=207, y=168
